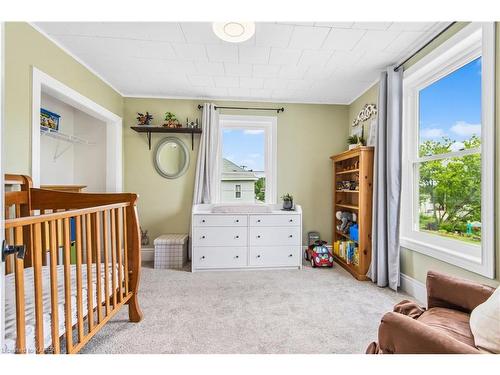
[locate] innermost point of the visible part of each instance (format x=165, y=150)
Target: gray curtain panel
x=384, y=268
x=205, y=177
x=207, y=152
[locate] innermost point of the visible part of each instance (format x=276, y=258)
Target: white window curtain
x=384, y=268
x=206, y=165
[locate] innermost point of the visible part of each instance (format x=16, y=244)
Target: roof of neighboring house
x=233, y=172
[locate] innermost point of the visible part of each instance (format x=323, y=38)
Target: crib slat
x=54, y=303
x=20, y=302
x=125, y=249
x=105, y=229
x=96, y=236
x=90, y=295
x=113, y=257
x=79, y=303
x=8, y=240
x=67, y=286
x=119, y=254
x=37, y=271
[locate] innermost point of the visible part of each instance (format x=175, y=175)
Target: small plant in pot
x=170, y=120
x=354, y=141
x=287, y=201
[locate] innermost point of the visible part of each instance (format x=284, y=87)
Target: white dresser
x=246, y=240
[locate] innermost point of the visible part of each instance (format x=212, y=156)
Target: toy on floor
x=347, y=219
x=319, y=255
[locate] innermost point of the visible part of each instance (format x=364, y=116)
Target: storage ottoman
x=171, y=251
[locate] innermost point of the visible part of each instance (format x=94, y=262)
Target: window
x=247, y=159
x=448, y=152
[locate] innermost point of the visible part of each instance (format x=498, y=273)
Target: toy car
x=319, y=255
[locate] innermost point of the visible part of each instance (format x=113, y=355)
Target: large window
x=247, y=162
x=448, y=152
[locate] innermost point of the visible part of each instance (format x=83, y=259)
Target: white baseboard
x=148, y=254
x=414, y=288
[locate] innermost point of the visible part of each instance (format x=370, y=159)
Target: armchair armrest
x=400, y=334
x=455, y=293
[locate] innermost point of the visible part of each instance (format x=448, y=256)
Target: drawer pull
x=237, y=256
x=237, y=221
x=290, y=236
x=291, y=220
x=291, y=255
x=202, y=237
x=258, y=236
x=203, y=221
x=258, y=256
x=258, y=221
x=203, y=257
x=237, y=237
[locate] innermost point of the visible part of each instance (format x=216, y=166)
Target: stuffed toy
x=347, y=219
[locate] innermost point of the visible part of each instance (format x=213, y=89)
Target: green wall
x=307, y=136
x=26, y=48
x=414, y=264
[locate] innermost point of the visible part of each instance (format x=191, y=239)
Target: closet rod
x=425, y=45
x=278, y=110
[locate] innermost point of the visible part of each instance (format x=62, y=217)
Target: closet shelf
x=64, y=137
x=349, y=206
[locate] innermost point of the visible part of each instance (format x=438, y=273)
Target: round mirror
x=171, y=158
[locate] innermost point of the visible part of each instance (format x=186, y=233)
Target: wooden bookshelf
x=356, y=166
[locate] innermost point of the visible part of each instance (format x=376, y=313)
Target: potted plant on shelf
x=170, y=120
x=355, y=141
x=144, y=119
x=287, y=201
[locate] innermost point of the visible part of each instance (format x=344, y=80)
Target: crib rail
x=88, y=244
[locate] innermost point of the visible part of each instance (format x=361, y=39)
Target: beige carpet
x=306, y=311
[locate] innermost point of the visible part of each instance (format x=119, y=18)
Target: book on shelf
x=347, y=251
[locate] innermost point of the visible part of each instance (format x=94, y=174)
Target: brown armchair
x=442, y=328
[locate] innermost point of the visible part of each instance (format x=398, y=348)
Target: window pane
x=243, y=174
x=450, y=197
x=450, y=111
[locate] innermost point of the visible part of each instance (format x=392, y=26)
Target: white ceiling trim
x=80, y=61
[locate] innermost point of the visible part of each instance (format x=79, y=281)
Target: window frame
x=269, y=125
x=236, y=191
x=473, y=41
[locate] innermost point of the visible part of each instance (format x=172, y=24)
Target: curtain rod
x=425, y=45
x=278, y=110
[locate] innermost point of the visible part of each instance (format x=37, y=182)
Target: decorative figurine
x=144, y=119
x=144, y=237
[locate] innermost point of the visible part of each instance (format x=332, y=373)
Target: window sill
x=468, y=262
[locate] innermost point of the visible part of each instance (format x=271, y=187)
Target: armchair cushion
x=485, y=324
x=453, y=323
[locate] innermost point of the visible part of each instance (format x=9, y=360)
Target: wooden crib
x=73, y=261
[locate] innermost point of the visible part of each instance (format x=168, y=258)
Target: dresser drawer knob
x=291, y=255
x=237, y=221
x=203, y=257
x=258, y=236
x=258, y=221
x=258, y=256
x=237, y=256
x=291, y=220
x=237, y=237
x=203, y=221
x=202, y=237
x=290, y=236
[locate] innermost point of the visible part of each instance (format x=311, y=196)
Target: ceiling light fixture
x=234, y=32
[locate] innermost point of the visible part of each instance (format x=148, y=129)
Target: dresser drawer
x=274, y=220
x=220, y=236
x=219, y=257
x=274, y=256
x=274, y=236
x=220, y=220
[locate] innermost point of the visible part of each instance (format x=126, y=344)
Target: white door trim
x=42, y=82
x=2, y=212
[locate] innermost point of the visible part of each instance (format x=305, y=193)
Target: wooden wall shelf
x=354, y=165
x=148, y=129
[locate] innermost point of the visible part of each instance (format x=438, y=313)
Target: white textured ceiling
x=307, y=62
